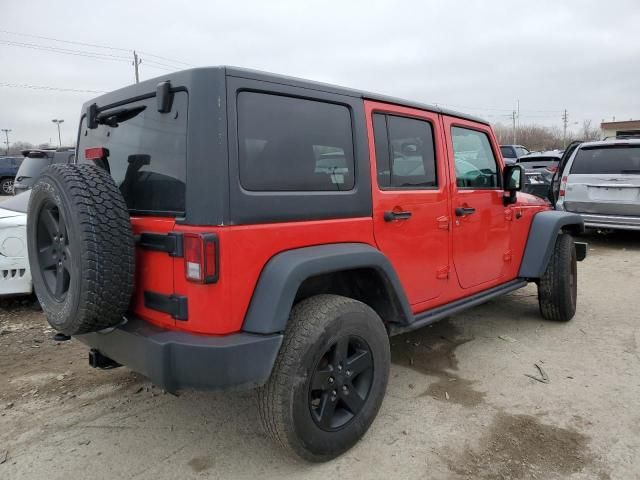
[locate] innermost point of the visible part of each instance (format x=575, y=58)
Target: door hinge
x=443, y=222
x=174, y=305
x=162, y=242
x=442, y=273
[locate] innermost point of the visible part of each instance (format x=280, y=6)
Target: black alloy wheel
x=340, y=383
x=54, y=254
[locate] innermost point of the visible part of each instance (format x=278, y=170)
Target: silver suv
x=601, y=182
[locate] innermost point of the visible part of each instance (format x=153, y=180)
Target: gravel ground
x=461, y=402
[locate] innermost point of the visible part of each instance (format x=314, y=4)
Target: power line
x=95, y=45
x=66, y=51
x=44, y=87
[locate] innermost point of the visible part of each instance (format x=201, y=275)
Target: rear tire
x=81, y=249
x=318, y=403
x=558, y=287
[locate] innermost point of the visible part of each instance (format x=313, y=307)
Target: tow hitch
x=98, y=360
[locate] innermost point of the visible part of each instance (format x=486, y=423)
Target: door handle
x=464, y=211
x=391, y=216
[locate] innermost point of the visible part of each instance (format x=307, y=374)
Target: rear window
x=33, y=166
x=537, y=159
x=610, y=160
x=147, y=154
x=293, y=144
x=508, y=152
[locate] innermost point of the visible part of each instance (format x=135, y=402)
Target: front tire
x=329, y=378
x=558, y=286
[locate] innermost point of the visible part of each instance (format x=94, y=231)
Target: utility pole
x=513, y=117
x=136, y=61
x=565, y=121
x=6, y=135
x=58, y=122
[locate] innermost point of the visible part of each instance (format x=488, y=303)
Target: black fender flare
x=283, y=274
x=544, y=230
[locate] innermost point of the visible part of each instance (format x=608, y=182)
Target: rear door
x=481, y=227
x=410, y=200
x=145, y=152
x=605, y=180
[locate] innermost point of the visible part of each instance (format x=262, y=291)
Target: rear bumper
x=179, y=361
x=611, y=221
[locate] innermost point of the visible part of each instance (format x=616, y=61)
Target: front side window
x=147, y=153
x=521, y=151
x=405, y=155
x=475, y=164
x=293, y=144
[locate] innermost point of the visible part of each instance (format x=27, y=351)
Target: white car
x=15, y=276
x=601, y=182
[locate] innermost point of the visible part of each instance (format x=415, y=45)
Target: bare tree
x=588, y=133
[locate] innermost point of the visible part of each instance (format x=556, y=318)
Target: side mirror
x=513, y=179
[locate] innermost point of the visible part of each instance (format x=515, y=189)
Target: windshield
x=33, y=166
x=607, y=160
x=146, y=153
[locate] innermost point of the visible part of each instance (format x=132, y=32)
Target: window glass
x=508, y=152
x=520, y=151
x=147, y=153
x=475, y=164
x=614, y=160
x=405, y=156
x=291, y=144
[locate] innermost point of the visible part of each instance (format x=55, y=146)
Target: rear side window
x=293, y=144
x=405, y=155
x=475, y=164
x=147, y=153
x=613, y=160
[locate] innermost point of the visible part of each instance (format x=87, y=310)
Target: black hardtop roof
x=189, y=76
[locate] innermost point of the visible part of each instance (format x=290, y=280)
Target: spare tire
x=81, y=248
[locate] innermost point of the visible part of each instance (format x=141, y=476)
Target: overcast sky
x=474, y=56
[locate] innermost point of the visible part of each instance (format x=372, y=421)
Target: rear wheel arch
x=354, y=270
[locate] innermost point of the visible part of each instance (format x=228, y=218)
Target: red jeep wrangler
x=231, y=228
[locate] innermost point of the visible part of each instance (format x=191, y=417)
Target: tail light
x=552, y=168
x=201, y=257
x=562, y=186
x=96, y=153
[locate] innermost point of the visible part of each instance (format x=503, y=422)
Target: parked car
x=601, y=182
x=8, y=169
x=511, y=153
x=36, y=161
x=15, y=276
x=279, y=236
x=539, y=170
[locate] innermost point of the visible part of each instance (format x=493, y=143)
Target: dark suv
x=231, y=228
x=36, y=161
x=8, y=170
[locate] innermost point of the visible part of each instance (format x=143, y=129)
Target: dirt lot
x=459, y=403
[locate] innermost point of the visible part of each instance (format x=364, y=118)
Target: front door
x=410, y=200
x=480, y=225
